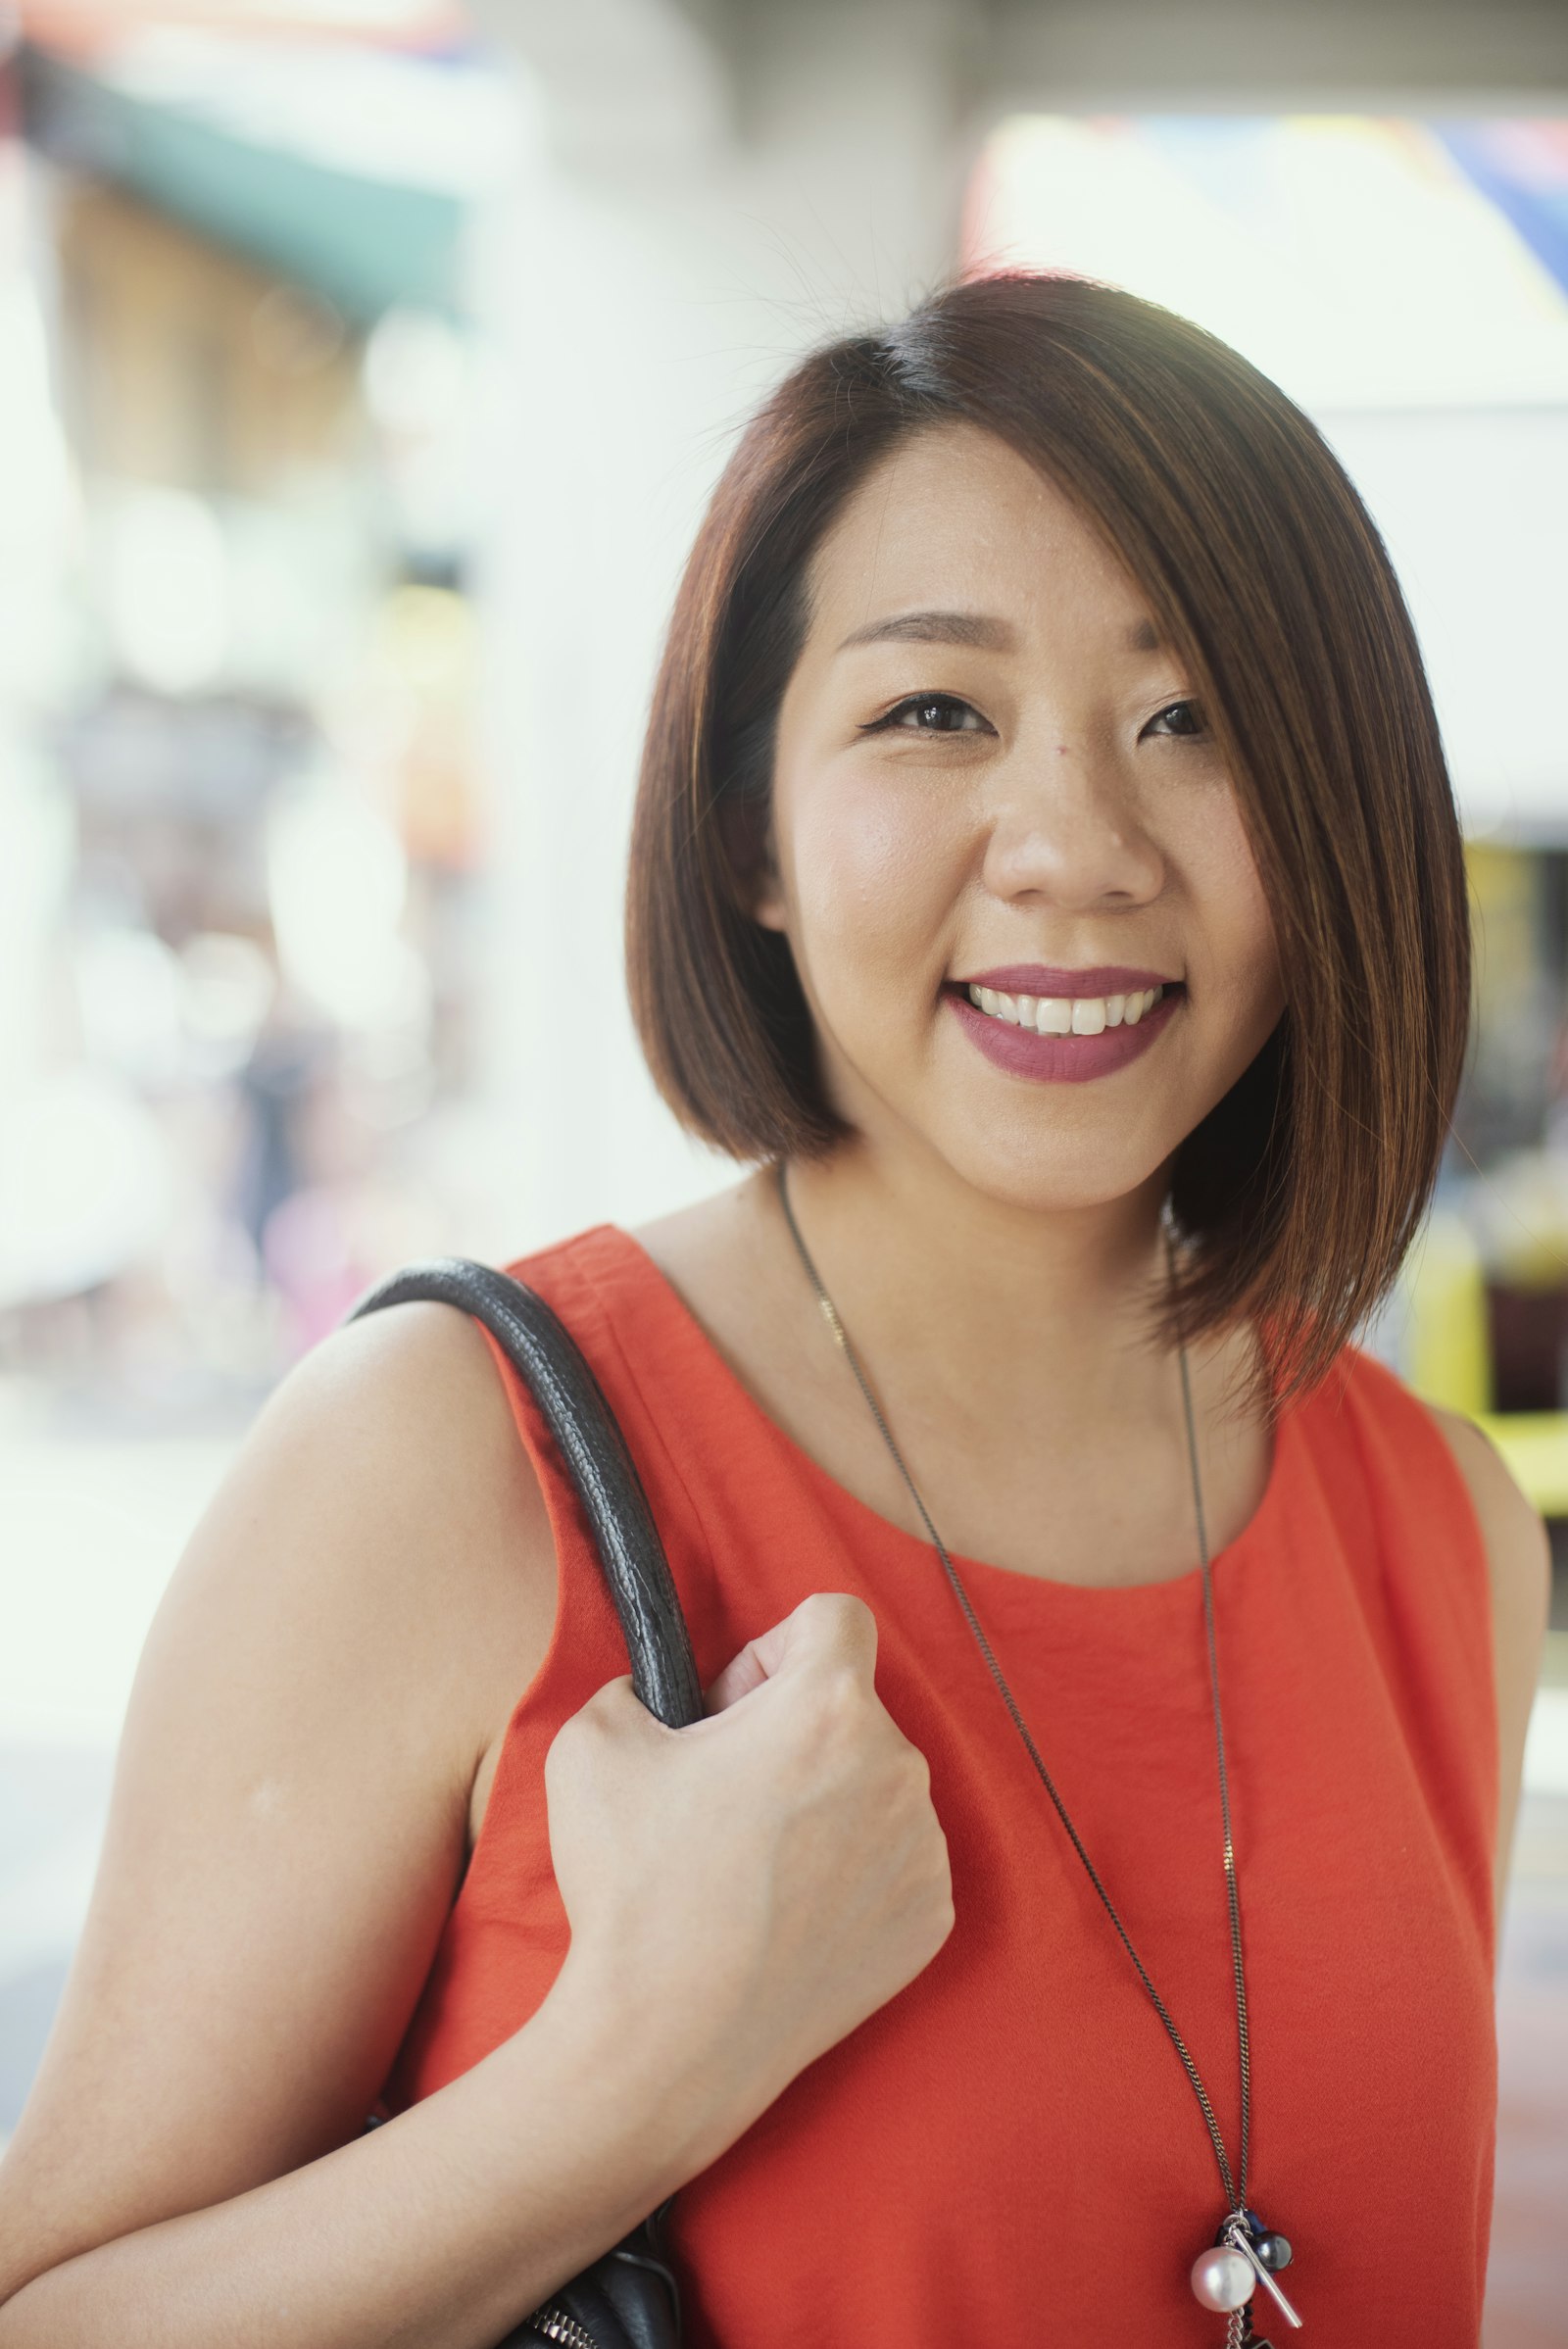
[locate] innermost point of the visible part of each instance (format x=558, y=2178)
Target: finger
x=833, y=1626
x=827, y=1627
x=616, y=1705
x=740, y=1675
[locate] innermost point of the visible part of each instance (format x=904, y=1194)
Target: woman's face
x=987, y=764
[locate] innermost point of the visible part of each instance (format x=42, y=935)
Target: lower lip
x=1061, y=1059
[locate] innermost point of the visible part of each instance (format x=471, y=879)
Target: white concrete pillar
x=681, y=226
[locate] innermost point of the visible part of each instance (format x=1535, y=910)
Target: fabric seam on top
x=607, y=1316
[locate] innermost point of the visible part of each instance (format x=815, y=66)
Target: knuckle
x=840, y=1696
x=816, y=1606
x=851, y=1607
x=844, y=1611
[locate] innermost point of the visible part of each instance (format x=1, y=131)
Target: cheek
x=875, y=869
x=1235, y=922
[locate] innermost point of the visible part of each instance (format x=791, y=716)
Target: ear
x=751, y=862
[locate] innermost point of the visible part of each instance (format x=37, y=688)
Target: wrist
x=676, y=2102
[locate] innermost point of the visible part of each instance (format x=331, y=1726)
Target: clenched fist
x=751, y=1886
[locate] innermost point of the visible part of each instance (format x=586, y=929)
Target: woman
x=1045, y=871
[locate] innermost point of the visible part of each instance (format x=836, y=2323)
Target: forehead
x=953, y=518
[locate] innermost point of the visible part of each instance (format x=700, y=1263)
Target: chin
x=1064, y=1177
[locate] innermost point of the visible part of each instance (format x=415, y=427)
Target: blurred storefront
x=248, y=797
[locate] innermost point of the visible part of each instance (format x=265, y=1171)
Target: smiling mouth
x=1063, y=1015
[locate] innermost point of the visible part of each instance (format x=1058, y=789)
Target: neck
x=1014, y=1309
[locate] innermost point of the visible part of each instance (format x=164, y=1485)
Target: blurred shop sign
x=1362, y=261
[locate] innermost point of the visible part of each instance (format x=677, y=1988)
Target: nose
x=1068, y=831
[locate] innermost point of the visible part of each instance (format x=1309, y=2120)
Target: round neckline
x=1252, y=1534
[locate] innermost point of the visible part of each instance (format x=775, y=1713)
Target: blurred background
x=363, y=367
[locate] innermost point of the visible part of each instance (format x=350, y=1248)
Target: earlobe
x=764, y=889
x=753, y=869
x=767, y=903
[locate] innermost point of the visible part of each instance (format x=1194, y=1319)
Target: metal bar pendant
x=1240, y=2240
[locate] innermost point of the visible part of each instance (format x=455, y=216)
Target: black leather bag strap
x=630, y=2298
x=588, y=1437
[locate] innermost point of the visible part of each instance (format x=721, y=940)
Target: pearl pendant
x=1223, y=2279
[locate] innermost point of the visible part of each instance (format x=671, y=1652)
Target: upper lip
x=1041, y=978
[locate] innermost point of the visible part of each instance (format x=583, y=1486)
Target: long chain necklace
x=1245, y=2252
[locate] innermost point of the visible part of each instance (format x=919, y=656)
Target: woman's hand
x=752, y=1887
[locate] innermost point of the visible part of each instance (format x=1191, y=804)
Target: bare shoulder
x=1519, y=1557
x=707, y=1245
x=722, y=1256
x=390, y=1452
x=1518, y=1549
x=358, y=1604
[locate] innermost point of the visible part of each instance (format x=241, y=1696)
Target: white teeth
x=1066, y=1016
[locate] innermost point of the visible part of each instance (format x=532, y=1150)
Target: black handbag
x=630, y=2298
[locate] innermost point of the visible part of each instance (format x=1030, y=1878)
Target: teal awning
x=366, y=243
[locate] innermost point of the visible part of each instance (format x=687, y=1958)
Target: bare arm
x=288, y=1828
x=440, y=2231
x=1519, y=1554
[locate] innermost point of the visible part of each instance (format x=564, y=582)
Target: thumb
x=740, y=1675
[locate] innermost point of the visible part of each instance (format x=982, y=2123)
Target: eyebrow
x=976, y=628
x=936, y=628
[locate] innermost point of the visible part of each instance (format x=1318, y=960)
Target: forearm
x=440, y=2231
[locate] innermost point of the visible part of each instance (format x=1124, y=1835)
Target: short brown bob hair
x=1301, y=1192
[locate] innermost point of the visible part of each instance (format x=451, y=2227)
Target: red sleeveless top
x=1010, y=2152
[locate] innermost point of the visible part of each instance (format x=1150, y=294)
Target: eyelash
x=952, y=700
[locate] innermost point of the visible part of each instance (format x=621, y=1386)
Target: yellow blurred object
x=1535, y=1445
x=1450, y=1361
x=1450, y=1350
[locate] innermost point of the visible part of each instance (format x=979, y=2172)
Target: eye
x=1185, y=732
x=929, y=714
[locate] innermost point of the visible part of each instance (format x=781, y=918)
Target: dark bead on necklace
x=1274, y=2251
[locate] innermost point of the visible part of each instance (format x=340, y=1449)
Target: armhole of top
x=1483, y=1575
x=1447, y=1502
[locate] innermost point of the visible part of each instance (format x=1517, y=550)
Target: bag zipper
x=559, y=2324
